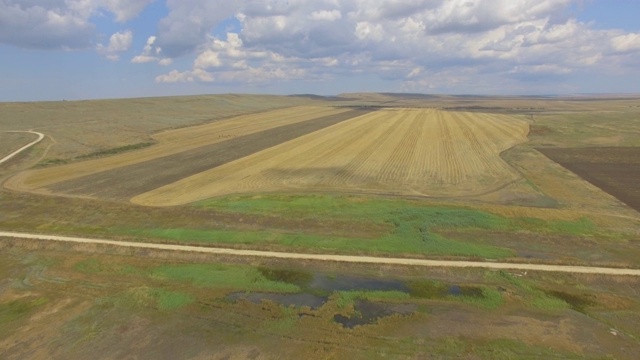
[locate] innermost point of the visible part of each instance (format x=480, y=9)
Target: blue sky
x=87, y=49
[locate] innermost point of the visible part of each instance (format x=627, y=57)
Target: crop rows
x=399, y=151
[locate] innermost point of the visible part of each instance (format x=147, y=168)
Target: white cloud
x=150, y=54
x=188, y=23
x=118, y=42
x=406, y=42
x=125, y=10
x=59, y=24
x=325, y=15
x=44, y=24
x=626, y=43
x=185, y=76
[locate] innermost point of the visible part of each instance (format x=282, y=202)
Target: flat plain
x=420, y=176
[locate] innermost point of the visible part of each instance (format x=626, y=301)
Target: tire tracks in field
x=330, y=257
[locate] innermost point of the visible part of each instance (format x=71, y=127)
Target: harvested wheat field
x=419, y=152
x=168, y=143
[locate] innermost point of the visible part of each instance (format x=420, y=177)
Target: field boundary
x=330, y=257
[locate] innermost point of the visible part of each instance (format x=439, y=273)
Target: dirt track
x=329, y=257
x=10, y=156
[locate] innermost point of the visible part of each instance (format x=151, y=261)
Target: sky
x=88, y=49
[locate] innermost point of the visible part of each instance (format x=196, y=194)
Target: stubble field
x=418, y=152
x=392, y=152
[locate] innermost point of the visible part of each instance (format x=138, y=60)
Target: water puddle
x=297, y=300
x=316, y=289
x=351, y=283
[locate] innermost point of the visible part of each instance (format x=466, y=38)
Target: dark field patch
x=615, y=170
x=125, y=182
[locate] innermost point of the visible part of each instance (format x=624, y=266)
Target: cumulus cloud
x=416, y=43
x=151, y=54
x=188, y=23
x=44, y=24
x=125, y=10
x=59, y=24
x=118, y=42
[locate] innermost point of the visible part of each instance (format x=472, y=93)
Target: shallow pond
x=317, y=287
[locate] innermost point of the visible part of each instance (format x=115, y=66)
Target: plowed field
x=398, y=151
x=616, y=170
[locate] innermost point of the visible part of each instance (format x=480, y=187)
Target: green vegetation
x=236, y=277
x=536, y=297
x=170, y=300
x=402, y=242
x=427, y=218
x=144, y=297
x=17, y=309
x=483, y=297
x=290, y=276
x=345, y=298
x=416, y=227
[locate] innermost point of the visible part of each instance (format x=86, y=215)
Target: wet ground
x=318, y=287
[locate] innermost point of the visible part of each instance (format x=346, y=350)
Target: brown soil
x=124, y=182
x=615, y=170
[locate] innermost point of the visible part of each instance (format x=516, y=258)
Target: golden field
x=424, y=152
x=171, y=142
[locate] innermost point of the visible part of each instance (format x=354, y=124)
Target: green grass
x=480, y=296
x=532, y=295
x=345, y=298
x=490, y=299
x=404, y=240
x=427, y=218
x=144, y=297
x=170, y=300
x=243, y=278
x=416, y=227
x=17, y=309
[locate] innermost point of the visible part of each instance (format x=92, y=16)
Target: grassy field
x=84, y=127
x=12, y=141
x=61, y=304
x=74, y=301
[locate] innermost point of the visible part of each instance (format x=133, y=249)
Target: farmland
x=397, y=151
x=426, y=177
x=616, y=170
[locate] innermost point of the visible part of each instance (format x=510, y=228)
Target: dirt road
x=329, y=257
x=40, y=137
